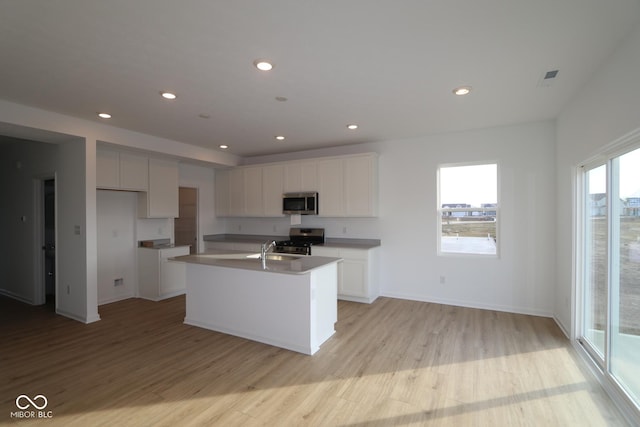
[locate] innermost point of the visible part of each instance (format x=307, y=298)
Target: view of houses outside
x=468, y=209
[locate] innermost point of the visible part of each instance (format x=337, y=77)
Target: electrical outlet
x=239, y=227
x=68, y=290
x=344, y=230
x=443, y=280
x=275, y=229
x=118, y=282
x=160, y=231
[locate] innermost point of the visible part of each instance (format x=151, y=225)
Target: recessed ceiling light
x=104, y=115
x=281, y=98
x=263, y=65
x=204, y=116
x=462, y=90
x=224, y=147
x=352, y=126
x=168, y=95
x=280, y=138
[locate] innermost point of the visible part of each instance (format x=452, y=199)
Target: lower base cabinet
x=159, y=278
x=356, y=278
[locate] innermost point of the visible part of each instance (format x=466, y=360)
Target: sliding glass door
x=611, y=276
x=625, y=273
x=595, y=295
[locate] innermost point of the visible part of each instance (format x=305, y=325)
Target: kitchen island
x=288, y=301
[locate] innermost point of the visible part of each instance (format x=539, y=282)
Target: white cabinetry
x=272, y=189
x=107, y=169
x=360, y=186
x=161, y=200
x=121, y=171
x=159, y=278
x=249, y=191
x=236, y=192
x=346, y=185
x=300, y=176
x=331, y=187
x=357, y=279
x=222, y=192
x=252, y=191
x=134, y=172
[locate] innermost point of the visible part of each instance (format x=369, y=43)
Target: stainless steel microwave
x=300, y=203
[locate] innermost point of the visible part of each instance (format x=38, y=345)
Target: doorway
x=186, y=225
x=49, y=240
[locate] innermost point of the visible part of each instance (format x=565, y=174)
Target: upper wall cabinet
x=254, y=191
x=161, y=201
x=300, y=176
x=272, y=189
x=222, y=192
x=121, y=171
x=347, y=186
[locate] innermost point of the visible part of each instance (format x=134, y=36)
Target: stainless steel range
x=300, y=241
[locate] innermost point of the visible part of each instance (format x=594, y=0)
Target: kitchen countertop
x=329, y=241
x=301, y=264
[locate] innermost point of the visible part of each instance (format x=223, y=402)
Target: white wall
x=603, y=112
x=22, y=163
x=117, y=244
x=521, y=280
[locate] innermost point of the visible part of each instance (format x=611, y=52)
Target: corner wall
x=606, y=110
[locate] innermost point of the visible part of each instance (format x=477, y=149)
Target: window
x=468, y=209
x=609, y=296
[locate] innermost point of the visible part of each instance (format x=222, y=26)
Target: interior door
x=186, y=225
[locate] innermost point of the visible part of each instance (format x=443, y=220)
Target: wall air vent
x=547, y=78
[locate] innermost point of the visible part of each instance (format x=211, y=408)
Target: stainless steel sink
x=281, y=257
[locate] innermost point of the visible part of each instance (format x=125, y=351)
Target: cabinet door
x=236, y=192
x=173, y=275
x=222, y=192
x=253, y=191
x=331, y=187
x=300, y=176
x=163, y=189
x=360, y=186
x=107, y=169
x=354, y=278
x=134, y=172
x=272, y=182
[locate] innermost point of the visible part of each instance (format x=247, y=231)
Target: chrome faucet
x=263, y=252
x=265, y=248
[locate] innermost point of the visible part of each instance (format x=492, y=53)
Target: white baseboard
x=15, y=296
x=470, y=304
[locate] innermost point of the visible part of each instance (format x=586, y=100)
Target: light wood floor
x=393, y=362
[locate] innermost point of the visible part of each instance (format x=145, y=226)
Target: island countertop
x=293, y=264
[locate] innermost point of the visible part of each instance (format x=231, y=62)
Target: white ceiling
x=389, y=66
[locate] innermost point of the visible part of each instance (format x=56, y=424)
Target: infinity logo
x=30, y=402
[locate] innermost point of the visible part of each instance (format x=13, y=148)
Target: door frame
x=39, y=280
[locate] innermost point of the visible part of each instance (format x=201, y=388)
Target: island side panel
x=324, y=310
x=262, y=306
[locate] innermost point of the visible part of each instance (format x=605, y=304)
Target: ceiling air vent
x=547, y=78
